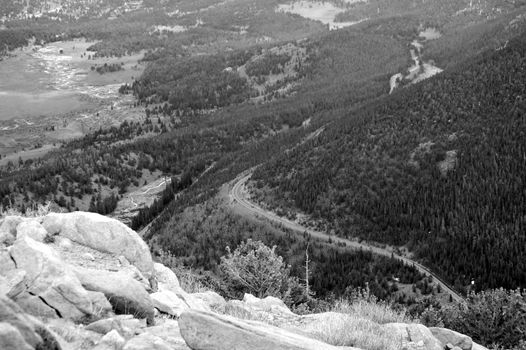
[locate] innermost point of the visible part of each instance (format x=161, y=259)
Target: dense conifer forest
x=333, y=272
x=438, y=167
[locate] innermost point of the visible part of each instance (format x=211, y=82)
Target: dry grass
x=349, y=330
x=359, y=323
x=372, y=310
x=31, y=212
x=190, y=282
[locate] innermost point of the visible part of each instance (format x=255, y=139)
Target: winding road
x=238, y=197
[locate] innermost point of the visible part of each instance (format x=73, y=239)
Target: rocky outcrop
x=203, y=330
x=49, y=281
x=126, y=295
x=169, y=303
x=75, y=271
x=174, y=303
x=414, y=336
x=18, y=331
x=447, y=336
x=270, y=309
x=103, y=234
x=420, y=334
x=269, y=304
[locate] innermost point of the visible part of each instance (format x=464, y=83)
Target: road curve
x=238, y=197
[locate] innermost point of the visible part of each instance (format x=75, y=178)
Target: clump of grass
x=190, y=282
x=358, y=321
x=361, y=303
x=375, y=311
x=348, y=330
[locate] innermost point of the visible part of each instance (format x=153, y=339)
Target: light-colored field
x=420, y=70
x=324, y=12
x=138, y=198
x=171, y=29
x=57, y=79
x=53, y=93
x=27, y=154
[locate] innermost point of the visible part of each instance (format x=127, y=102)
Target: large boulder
x=174, y=303
x=104, y=234
x=18, y=331
x=169, y=303
x=421, y=334
x=270, y=309
x=414, y=335
x=126, y=295
x=268, y=304
x=32, y=229
x=447, y=336
x=166, y=278
x=50, y=282
x=207, y=331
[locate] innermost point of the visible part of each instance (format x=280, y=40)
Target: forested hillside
x=333, y=271
x=438, y=167
x=231, y=85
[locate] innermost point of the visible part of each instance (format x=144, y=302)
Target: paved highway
x=238, y=197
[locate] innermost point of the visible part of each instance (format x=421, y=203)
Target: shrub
x=254, y=268
x=494, y=317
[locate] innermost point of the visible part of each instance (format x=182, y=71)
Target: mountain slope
x=438, y=167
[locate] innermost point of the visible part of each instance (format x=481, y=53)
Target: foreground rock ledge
x=207, y=331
